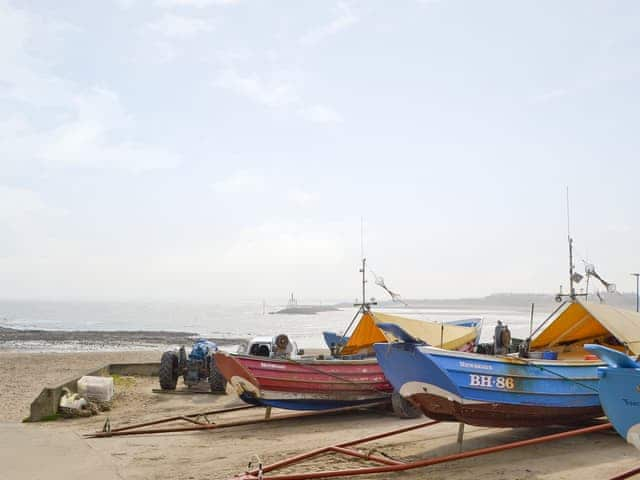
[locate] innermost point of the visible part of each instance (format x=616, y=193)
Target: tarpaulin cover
x=580, y=322
x=366, y=333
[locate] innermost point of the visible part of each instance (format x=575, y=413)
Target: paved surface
x=34, y=452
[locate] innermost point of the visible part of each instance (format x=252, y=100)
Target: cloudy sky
x=227, y=149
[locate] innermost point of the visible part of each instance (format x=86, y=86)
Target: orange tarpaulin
x=367, y=333
x=580, y=322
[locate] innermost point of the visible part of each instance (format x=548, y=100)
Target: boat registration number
x=489, y=381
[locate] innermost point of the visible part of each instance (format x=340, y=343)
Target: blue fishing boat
x=333, y=339
x=619, y=389
x=554, y=381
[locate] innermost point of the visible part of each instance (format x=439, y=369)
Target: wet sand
x=83, y=340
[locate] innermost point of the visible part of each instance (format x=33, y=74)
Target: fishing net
x=395, y=297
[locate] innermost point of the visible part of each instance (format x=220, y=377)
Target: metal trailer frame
x=388, y=465
x=200, y=421
x=631, y=473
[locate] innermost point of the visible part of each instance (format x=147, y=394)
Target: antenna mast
x=572, y=289
x=574, y=277
x=364, y=261
x=361, y=237
x=364, y=306
x=364, y=303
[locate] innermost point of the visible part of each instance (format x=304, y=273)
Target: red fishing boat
x=304, y=384
x=283, y=379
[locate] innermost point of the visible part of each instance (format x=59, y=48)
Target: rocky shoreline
x=11, y=338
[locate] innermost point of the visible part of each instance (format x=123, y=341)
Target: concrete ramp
x=35, y=452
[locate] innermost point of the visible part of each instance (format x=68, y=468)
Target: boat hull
x=304, y=384
x=500, y=414
x=621, y=401
x=491, y=391
x=619, y=388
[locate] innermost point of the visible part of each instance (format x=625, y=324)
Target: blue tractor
x=198, y=366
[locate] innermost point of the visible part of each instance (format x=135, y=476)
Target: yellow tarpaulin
x=580, y=322
x=367, y=333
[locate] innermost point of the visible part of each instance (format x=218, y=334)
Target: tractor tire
x=182, y=358
x=403, y=408
x=169, y=371
x=217, y=383
x=183, y=364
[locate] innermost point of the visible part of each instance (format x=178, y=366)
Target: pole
x=361, y=237
x=364, y=281
x=637, y=275
x=460, y=438
x=349, y=326
x=531, y=320
x=628, y=474
x=362, y=307
x=364, y=261
x=572, y=290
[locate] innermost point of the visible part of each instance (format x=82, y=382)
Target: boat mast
x=364, y=261
x=574, y=277
x=364, y=306
x=572, y=289
x=364, y=283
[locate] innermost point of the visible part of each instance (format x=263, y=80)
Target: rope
x=260, y=470
x=540, y=367
x=345, y=380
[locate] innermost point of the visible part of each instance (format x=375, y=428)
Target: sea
x=236, y=320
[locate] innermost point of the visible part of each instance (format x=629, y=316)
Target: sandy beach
x=225, y=453
x=25, y=374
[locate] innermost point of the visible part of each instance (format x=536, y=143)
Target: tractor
x=194, y=368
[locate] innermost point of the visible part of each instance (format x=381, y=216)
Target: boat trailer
x=631, y=473
x=389, y=465
x=201, y=421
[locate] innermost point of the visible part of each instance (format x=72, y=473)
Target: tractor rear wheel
x=403, y=408
x=217, y=383
x=183, y=366
x=182, y=358
x=169, y=371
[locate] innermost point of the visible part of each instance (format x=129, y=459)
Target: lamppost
x=637, y=275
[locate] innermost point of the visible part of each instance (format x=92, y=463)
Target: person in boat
x=501, y=339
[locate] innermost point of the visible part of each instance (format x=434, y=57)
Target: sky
x=220, y=150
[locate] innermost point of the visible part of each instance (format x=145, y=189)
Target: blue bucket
x=550, y=355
